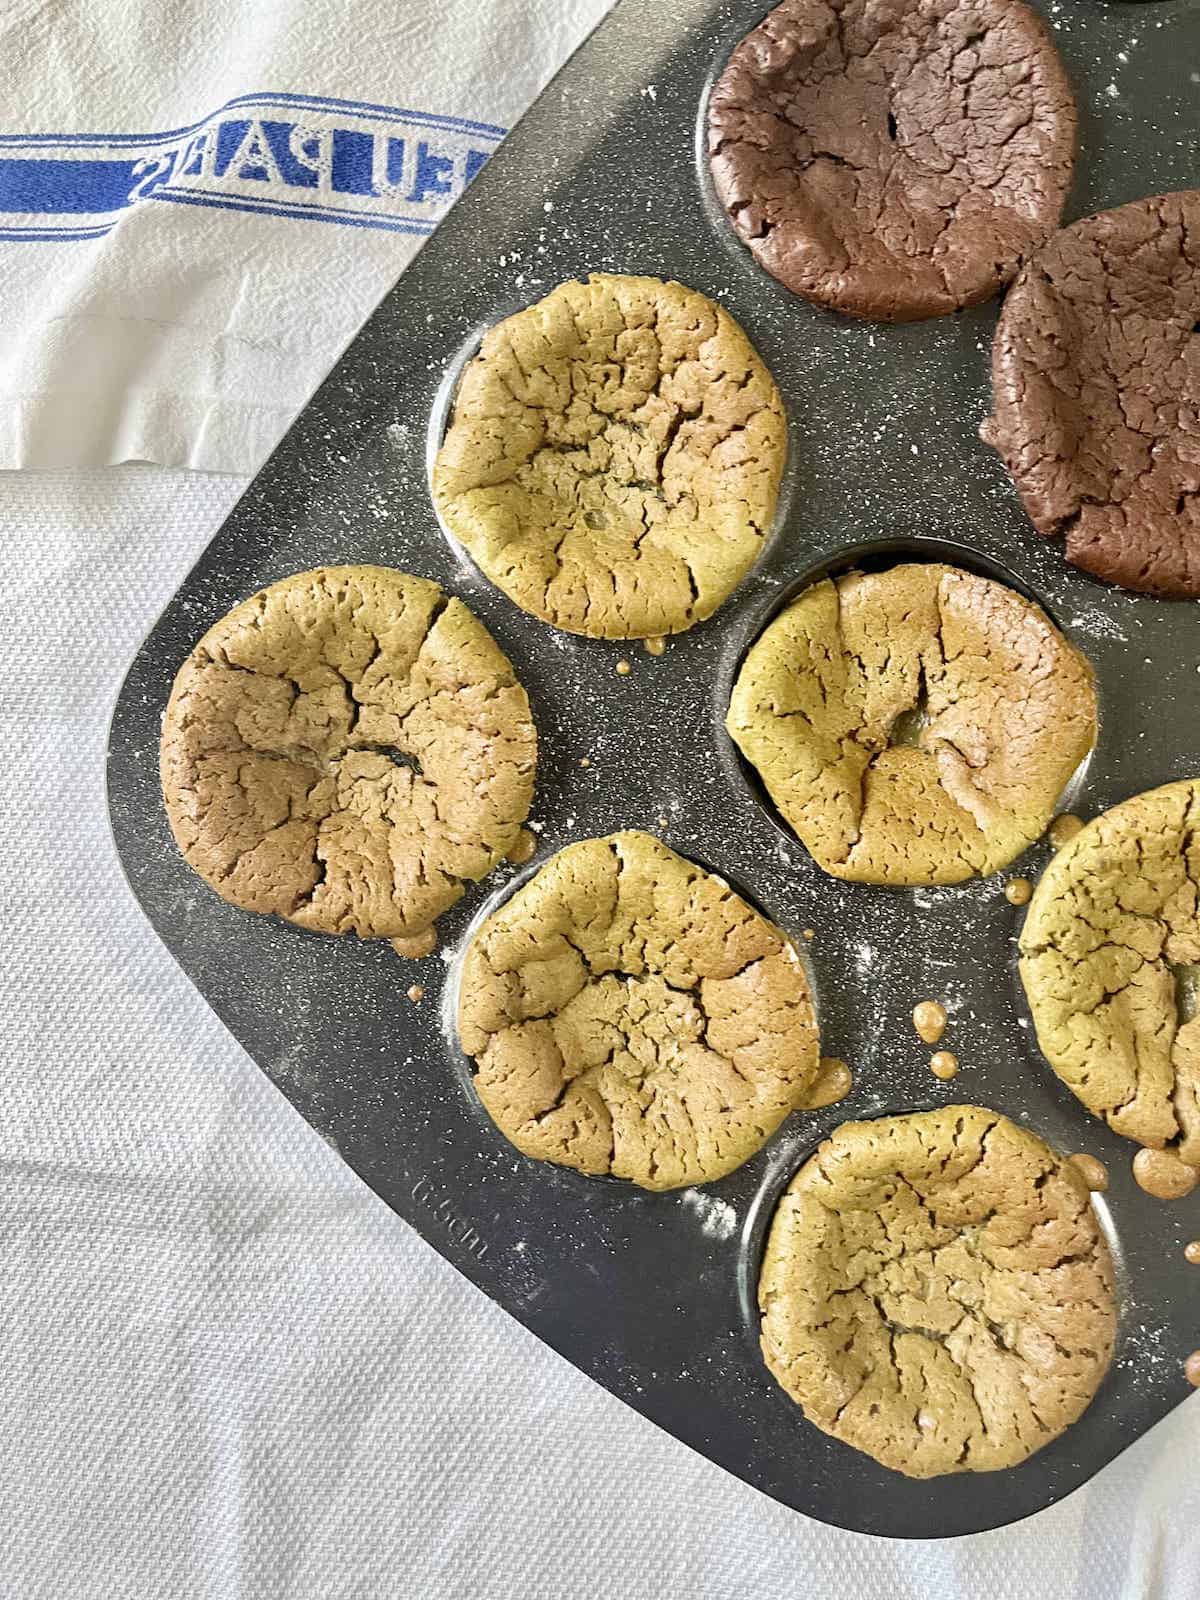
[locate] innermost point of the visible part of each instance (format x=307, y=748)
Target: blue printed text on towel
x=286, y=155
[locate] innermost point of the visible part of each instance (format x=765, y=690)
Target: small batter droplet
x=1063, y=829
x=1092, y=1170
x=944, y=1065
x=1018, y=891
x=810, y=933
x=585, y=762
x=416, y=993
x=1191, y=1253
x=654, y=647
x=833, y=1083
x=1191, y=1369
x=1162, y=1174
x=929, y=1019
x=624, y=668
x=524, y=848
x=417, y=946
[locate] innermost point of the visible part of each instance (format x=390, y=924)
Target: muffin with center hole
x=916, y=725
x=348, y=749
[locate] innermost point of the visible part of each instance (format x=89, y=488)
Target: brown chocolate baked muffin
x=1096, y=393
x=895, y=159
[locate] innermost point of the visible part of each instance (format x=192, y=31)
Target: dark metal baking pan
x=652, y=1295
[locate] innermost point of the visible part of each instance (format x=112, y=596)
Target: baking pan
x=652, y=1295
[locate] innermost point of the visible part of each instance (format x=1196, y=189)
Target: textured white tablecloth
x=227, y=1370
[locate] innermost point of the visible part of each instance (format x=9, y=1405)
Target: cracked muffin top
x=893, y=159
x=1112, y=935
x=936, y=1291
x=914, y=726
x=629, y=1014
x=614, y=457
x=1096, y=393
x=347, y=749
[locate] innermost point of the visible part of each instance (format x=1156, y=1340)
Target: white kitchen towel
x=201, y=201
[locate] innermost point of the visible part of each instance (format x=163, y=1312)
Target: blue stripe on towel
x=287, y=155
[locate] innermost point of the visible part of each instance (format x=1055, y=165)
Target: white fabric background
x=227, y=1370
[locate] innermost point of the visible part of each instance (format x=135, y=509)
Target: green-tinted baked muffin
x=614, y=457
x=1113, y=919
x=628, y=1013
x=936, y=1291
x=914, y=726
